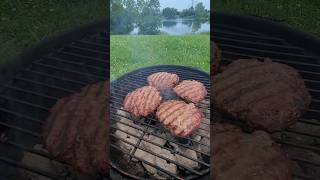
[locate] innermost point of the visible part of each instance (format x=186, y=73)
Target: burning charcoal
x=186, y=161
x=186, y=152
x=157, y=161
x=155, y=139
x=164, y=164
x=204, y=129
x=132, y=129
x=206, y=141
x=196, y=137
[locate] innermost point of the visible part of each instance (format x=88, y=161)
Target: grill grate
x=301, y=141
x=26, y=99
x=136, y=79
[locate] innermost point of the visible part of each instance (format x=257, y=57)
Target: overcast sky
x=182, y=4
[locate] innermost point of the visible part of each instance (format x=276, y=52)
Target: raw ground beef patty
x=265, y=95
x=142, y=101
x=191, y=90
x=76, y=130
x=179, y=117
x=236, y=155
x=163, y=80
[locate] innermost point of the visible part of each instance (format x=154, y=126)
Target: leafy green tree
x=187, y=13
x=170, y=13
x=131, y=7
x=149, y=17
x=121, y=22
x=200, y=11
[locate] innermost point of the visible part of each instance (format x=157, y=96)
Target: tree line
x=146, y=15
x=197, y=12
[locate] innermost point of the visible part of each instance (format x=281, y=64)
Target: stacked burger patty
x=180, y=117
x=265, y=96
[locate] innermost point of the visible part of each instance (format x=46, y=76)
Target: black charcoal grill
x=32, y=83
x=252, y=37
x=130, y=132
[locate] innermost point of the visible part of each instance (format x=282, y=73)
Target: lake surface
x=181, y=27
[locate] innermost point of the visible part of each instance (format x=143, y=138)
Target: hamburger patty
x=265, y=95
x=163, y=80
x=215, y=58
x=191, y=90
x=142, y=101
x=241, y=156
x=76, y=130
x=179, y=117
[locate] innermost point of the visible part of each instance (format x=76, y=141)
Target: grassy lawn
x=300, y=14
x=132, y=52
x=26, y=22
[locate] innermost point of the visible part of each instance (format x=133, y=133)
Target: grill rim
x=160, y=66
x=149, y=69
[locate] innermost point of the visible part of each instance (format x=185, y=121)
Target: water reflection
x=169, y=24
x=187, y=22
x=182, y=26
x=196, y=25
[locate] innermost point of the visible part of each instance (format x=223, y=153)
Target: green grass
x=300, y=14
x=26, y=22
x=132, y=52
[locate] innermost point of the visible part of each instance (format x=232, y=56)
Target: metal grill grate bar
x=30, y=92
x=94, y=59
x=67, y=70
x=260, y=44
x=87, y=41
x=62, y=60
x=87, y=49
x=31, y=169
x=55, y=77
x=20, y=129
x=25, y=103
x=46, y=85
x=21, y=115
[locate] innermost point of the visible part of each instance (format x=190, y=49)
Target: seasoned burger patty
x=215, y=58
x=266, y=95
x=142, y=101
x=179, y=117
x=76, y=130
x=163, y=80
x=191, y=90
x=241, y=156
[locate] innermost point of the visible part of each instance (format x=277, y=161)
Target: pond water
x=181, y=26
